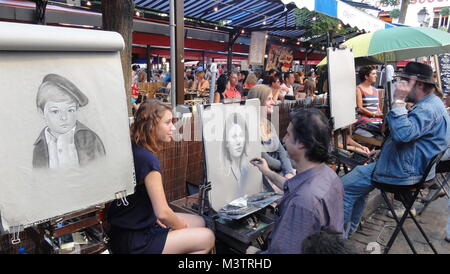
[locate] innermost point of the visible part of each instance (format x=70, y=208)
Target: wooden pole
x=438, y=71
x=117, y=15
x=179, y=48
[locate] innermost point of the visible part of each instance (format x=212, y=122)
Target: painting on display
x=64, y=141
x=257, y=48
x=279, y=58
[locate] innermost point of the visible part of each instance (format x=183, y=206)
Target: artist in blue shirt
x=148, y=225
x=312, y=199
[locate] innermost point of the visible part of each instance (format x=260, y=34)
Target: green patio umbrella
x=400, y=43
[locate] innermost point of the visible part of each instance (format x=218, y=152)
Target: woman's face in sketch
x=60, y=116
x=235, y=141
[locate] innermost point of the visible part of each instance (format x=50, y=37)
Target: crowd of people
x=236, y=83
x=319, y=210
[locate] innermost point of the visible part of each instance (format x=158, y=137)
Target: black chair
x=442, y=181
x=407, y=195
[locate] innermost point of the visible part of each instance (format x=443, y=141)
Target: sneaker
x=400, y=211
x=428, y=198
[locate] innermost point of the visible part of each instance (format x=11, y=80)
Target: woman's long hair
x=146, y=119
x=234, y=119
x=310, y=87
x=262, y=92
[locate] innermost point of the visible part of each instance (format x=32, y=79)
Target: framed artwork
x=280, y=58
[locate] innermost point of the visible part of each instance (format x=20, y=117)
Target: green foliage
x=444, y=11
x=395, y=13
x=321, y=25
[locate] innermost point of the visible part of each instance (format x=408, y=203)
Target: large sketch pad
x=342, y=79
x=91, y=61
x=222, y=121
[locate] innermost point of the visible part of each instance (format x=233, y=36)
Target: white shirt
x=62, y=151
x=291, y=90
x=389, y=73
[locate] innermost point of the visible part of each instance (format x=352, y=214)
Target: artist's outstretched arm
x=274, y=177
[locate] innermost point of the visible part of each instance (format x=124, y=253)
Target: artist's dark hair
x=311, y=128
x=365, y=71
x=325, y=242
x=135, y=67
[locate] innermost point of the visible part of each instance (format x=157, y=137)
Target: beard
x=411, y=97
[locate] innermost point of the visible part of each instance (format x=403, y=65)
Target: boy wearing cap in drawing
x=64, y=142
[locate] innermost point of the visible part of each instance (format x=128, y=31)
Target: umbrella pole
x=388, y=91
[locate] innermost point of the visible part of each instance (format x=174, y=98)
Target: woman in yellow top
x=200, y=84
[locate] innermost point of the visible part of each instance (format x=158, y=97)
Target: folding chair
x=407, y=195
x=441, y=179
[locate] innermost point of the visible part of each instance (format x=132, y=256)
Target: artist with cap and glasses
x=416, y=136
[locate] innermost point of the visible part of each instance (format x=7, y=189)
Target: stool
x=407, y=195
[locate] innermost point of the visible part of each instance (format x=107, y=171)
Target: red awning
x=162, y=40
x=188, y=55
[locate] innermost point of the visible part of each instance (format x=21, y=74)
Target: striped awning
x=268, y=14
x=237, y=14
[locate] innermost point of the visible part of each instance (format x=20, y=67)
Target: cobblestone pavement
x=378, y=228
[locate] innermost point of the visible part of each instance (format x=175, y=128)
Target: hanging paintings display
x=279, y=58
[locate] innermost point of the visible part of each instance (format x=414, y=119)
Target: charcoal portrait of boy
x=65, y=142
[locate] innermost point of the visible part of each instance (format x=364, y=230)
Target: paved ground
x=378, y=228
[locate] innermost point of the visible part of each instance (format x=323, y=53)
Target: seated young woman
x=370, y=115
x=147, y=224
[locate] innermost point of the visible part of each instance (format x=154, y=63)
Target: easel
x=46, y=237
x=234, y=235
x=339, y=101
x=90, y=221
